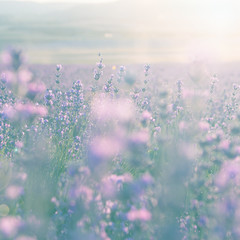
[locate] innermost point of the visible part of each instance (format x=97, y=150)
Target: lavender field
x=120, y=120
x=118, y=152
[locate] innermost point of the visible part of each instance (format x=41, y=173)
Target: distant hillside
x=78, y=29
x=122, y=13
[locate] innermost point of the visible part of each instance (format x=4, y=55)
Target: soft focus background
x=124, y=31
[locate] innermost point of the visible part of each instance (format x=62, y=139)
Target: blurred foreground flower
x=13, y=192
x=34, y=89
x=229, y=173
x=103, y=149
x=19, y=111
x=111, y=185
x=141, y=215
x=107, y=109
x=9, y=226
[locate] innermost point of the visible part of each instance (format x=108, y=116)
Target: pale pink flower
x=107, y=109
x=35, y=88
x=13, y=192
x=188, y=93
x=24, y=76
x=103, y=233
x=24, y=111
x=147, y=178
x=141, y=214
x=204, y=126
x=189, y=150
x=9, y=111
x=140, y=137
x=41, y=111
x=19, y=144
x=9, y=225
x=105, y=147
x=146, y=115
x=211, y=137
x=170, y=108
x=108, y=188
x=237, y=150
x=224, y=145
x=82, y=191
x=83, y=221
x=157, y=130
x=22, y=176
x=182, y=126
x=230, y=171
x=111, y=184
x=30, y=110
x=6, y=58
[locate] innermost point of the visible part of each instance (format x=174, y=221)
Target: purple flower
x=59, y=67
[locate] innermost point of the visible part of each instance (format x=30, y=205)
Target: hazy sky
x=67, y=1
